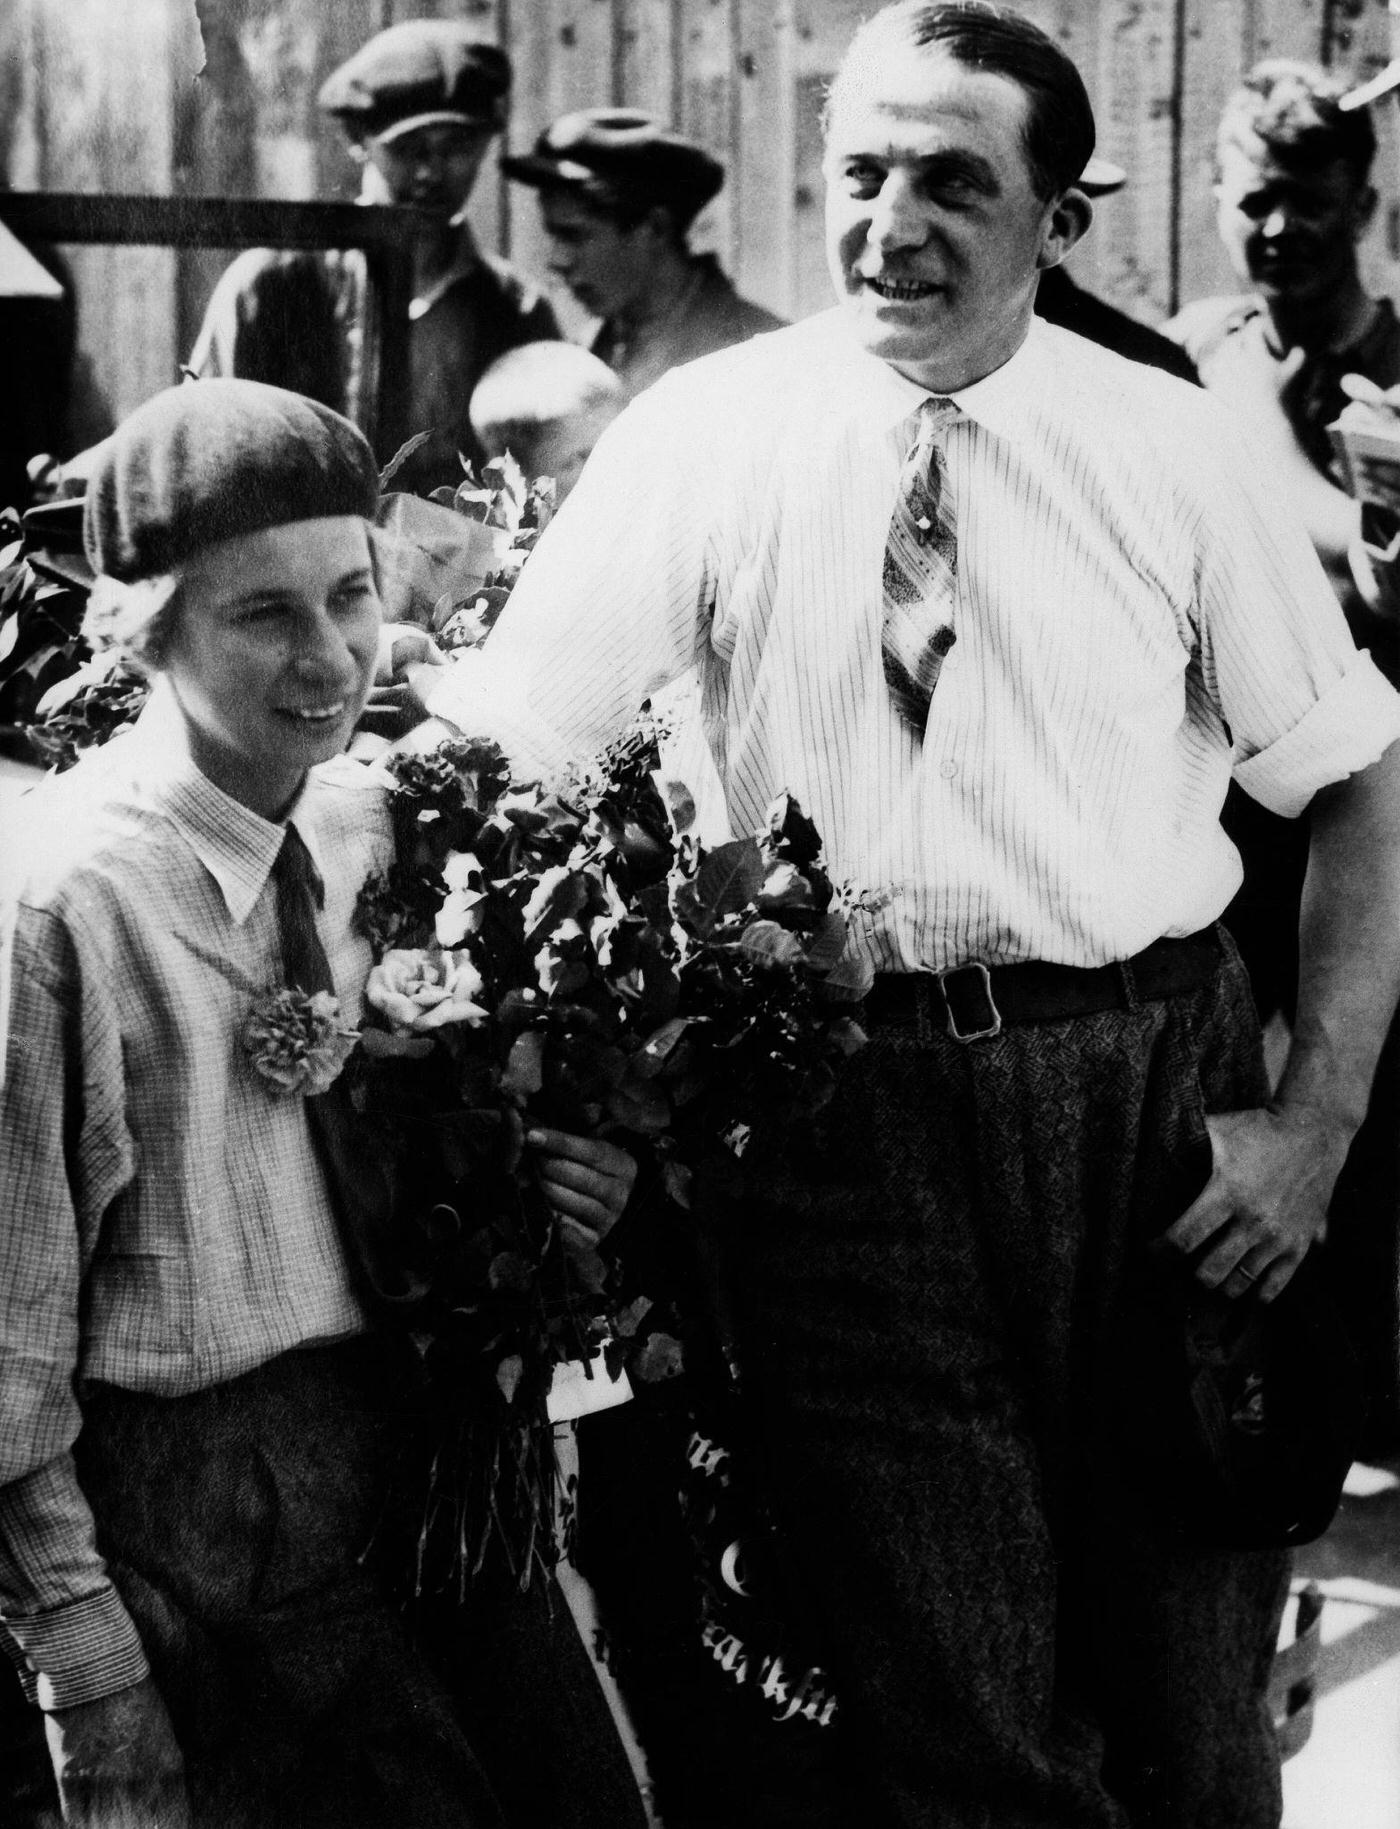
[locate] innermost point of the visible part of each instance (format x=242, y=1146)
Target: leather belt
x=974, y=1001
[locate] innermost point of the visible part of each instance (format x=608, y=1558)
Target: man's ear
x=1065, y=225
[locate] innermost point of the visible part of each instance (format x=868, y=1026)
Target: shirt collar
x=237, y=846
x=1000, y=401
x=1004, y=401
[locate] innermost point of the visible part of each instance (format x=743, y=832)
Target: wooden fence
x=219, y=97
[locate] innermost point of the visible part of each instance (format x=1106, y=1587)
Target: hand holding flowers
x=562, y=968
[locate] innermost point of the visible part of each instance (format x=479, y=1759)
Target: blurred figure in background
x=547, y=404
x=421, y=104
x=1294, y=196
x=618, y=193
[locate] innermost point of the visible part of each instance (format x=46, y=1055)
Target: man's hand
x=587, y=1181
x=1266, y=1200
x=117, y=1762
x=407, y=660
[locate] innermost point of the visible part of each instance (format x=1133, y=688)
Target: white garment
x=1136, y=614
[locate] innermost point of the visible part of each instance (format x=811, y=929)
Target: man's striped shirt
x=1138, y=615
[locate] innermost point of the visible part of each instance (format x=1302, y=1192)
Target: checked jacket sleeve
x=65, y=1154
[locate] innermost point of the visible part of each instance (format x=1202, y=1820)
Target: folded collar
x=1001, y=401
x=237, y=846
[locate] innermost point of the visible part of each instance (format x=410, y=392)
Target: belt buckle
x=983, y=978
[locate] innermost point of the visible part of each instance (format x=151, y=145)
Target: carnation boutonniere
x=296, y=1039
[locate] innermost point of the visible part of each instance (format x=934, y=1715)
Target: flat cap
x=419, y=74
x=620, y=156
x=209, y=460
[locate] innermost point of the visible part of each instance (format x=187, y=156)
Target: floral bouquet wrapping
x=563, y=955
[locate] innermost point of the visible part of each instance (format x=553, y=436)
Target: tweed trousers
x=933, y=1272
x=256, y=1531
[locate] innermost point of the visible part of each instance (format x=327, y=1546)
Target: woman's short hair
x=133, y=621
x=1059, y=131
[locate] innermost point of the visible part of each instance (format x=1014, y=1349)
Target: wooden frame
x=386, y=235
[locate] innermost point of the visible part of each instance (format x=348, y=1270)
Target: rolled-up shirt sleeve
x=63, y=1151
x=1304, y=708
x=611, y=607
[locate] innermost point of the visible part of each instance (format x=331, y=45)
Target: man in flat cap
x=618, y=193
x=420, y=104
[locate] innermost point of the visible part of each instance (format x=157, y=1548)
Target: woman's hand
x=405, y=651
x=116, y=1760
x=587, y=1181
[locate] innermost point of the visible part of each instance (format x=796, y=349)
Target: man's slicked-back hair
x=1295, y=110
x=1059, y=134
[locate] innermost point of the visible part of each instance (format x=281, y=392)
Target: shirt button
x=947, y=770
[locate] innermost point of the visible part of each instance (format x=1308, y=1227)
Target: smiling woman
x=237, y=519
x=187, y=975
x=271, y=654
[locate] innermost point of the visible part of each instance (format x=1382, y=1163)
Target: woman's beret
x=209, y=460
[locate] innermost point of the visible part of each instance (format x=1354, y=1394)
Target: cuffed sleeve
x=1348, y=727
x=1302, y=707
x=79, y=1652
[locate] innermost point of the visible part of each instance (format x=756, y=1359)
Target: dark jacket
x=711, y=316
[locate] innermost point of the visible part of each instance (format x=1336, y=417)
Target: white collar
x=1000, y=401
x=237, y=846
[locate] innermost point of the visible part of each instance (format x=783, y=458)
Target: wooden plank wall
x=219, y=96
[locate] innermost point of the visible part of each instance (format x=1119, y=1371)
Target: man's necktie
x=921, y=570
x=300, y=893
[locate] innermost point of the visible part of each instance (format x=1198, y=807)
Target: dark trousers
x=934, y=1275
x=238, y=1526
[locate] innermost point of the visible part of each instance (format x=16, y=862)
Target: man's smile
x=900, y=290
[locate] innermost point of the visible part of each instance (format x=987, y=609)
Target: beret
x=209, y=460
x=620, y=156
x=416, y=74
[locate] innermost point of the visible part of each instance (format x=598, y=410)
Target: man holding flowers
x=1004, y=612
x=200, y=1432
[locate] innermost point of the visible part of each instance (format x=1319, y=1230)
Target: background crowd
x=490, y=372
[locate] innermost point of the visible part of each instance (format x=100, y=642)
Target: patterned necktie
x=355, y=1182
x=300, y=893
x=921, y=570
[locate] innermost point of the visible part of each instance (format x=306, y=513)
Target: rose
x=426, y=989
x=463, y=907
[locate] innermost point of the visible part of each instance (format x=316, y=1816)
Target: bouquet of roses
x=565, y=954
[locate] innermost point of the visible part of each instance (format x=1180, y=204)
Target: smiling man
x=1005, y=612
x=1294, y=200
